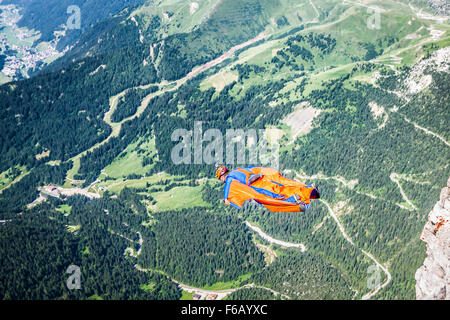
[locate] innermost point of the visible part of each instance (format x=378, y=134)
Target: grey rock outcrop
x=433, y=277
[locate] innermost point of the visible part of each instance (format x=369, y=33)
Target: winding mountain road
x=275, y=241
x=116, y=127
x=220, y=293
x=394, y=178
x=223, y=293
x=164, y=87
x=427, y=131
x=375, y=290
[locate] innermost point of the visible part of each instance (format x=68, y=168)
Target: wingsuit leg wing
x=240, y=192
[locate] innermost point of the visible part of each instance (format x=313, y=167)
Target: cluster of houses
x=211, y=296
x=26, y=57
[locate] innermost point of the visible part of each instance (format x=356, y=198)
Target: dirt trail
x=285, y=244
x=341, y=228
x=427, y=131
x=374, y=291
x=269, y=254
x=223, y=57
x=133, y=252
x=166, y=87
x=316, y=18
x=20, y=177
x=344, y=234
x=348, y=184
x=394, y=178
x=351, y=185
x=220, y=293
x=395, y=59
x=223, y=293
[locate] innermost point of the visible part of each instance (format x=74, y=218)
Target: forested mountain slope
x=48, y=16
x=362, y=110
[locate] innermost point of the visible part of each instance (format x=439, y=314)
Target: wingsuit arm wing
x=276, y=176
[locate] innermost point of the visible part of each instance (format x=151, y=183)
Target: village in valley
x=59, y=192
x=20, y=52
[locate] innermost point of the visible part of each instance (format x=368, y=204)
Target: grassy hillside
x=362, y=109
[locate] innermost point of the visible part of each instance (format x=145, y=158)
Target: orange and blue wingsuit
x=267, y=187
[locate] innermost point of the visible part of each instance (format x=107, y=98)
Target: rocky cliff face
x=433, y=277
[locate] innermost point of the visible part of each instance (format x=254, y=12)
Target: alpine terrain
x=98, y=100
